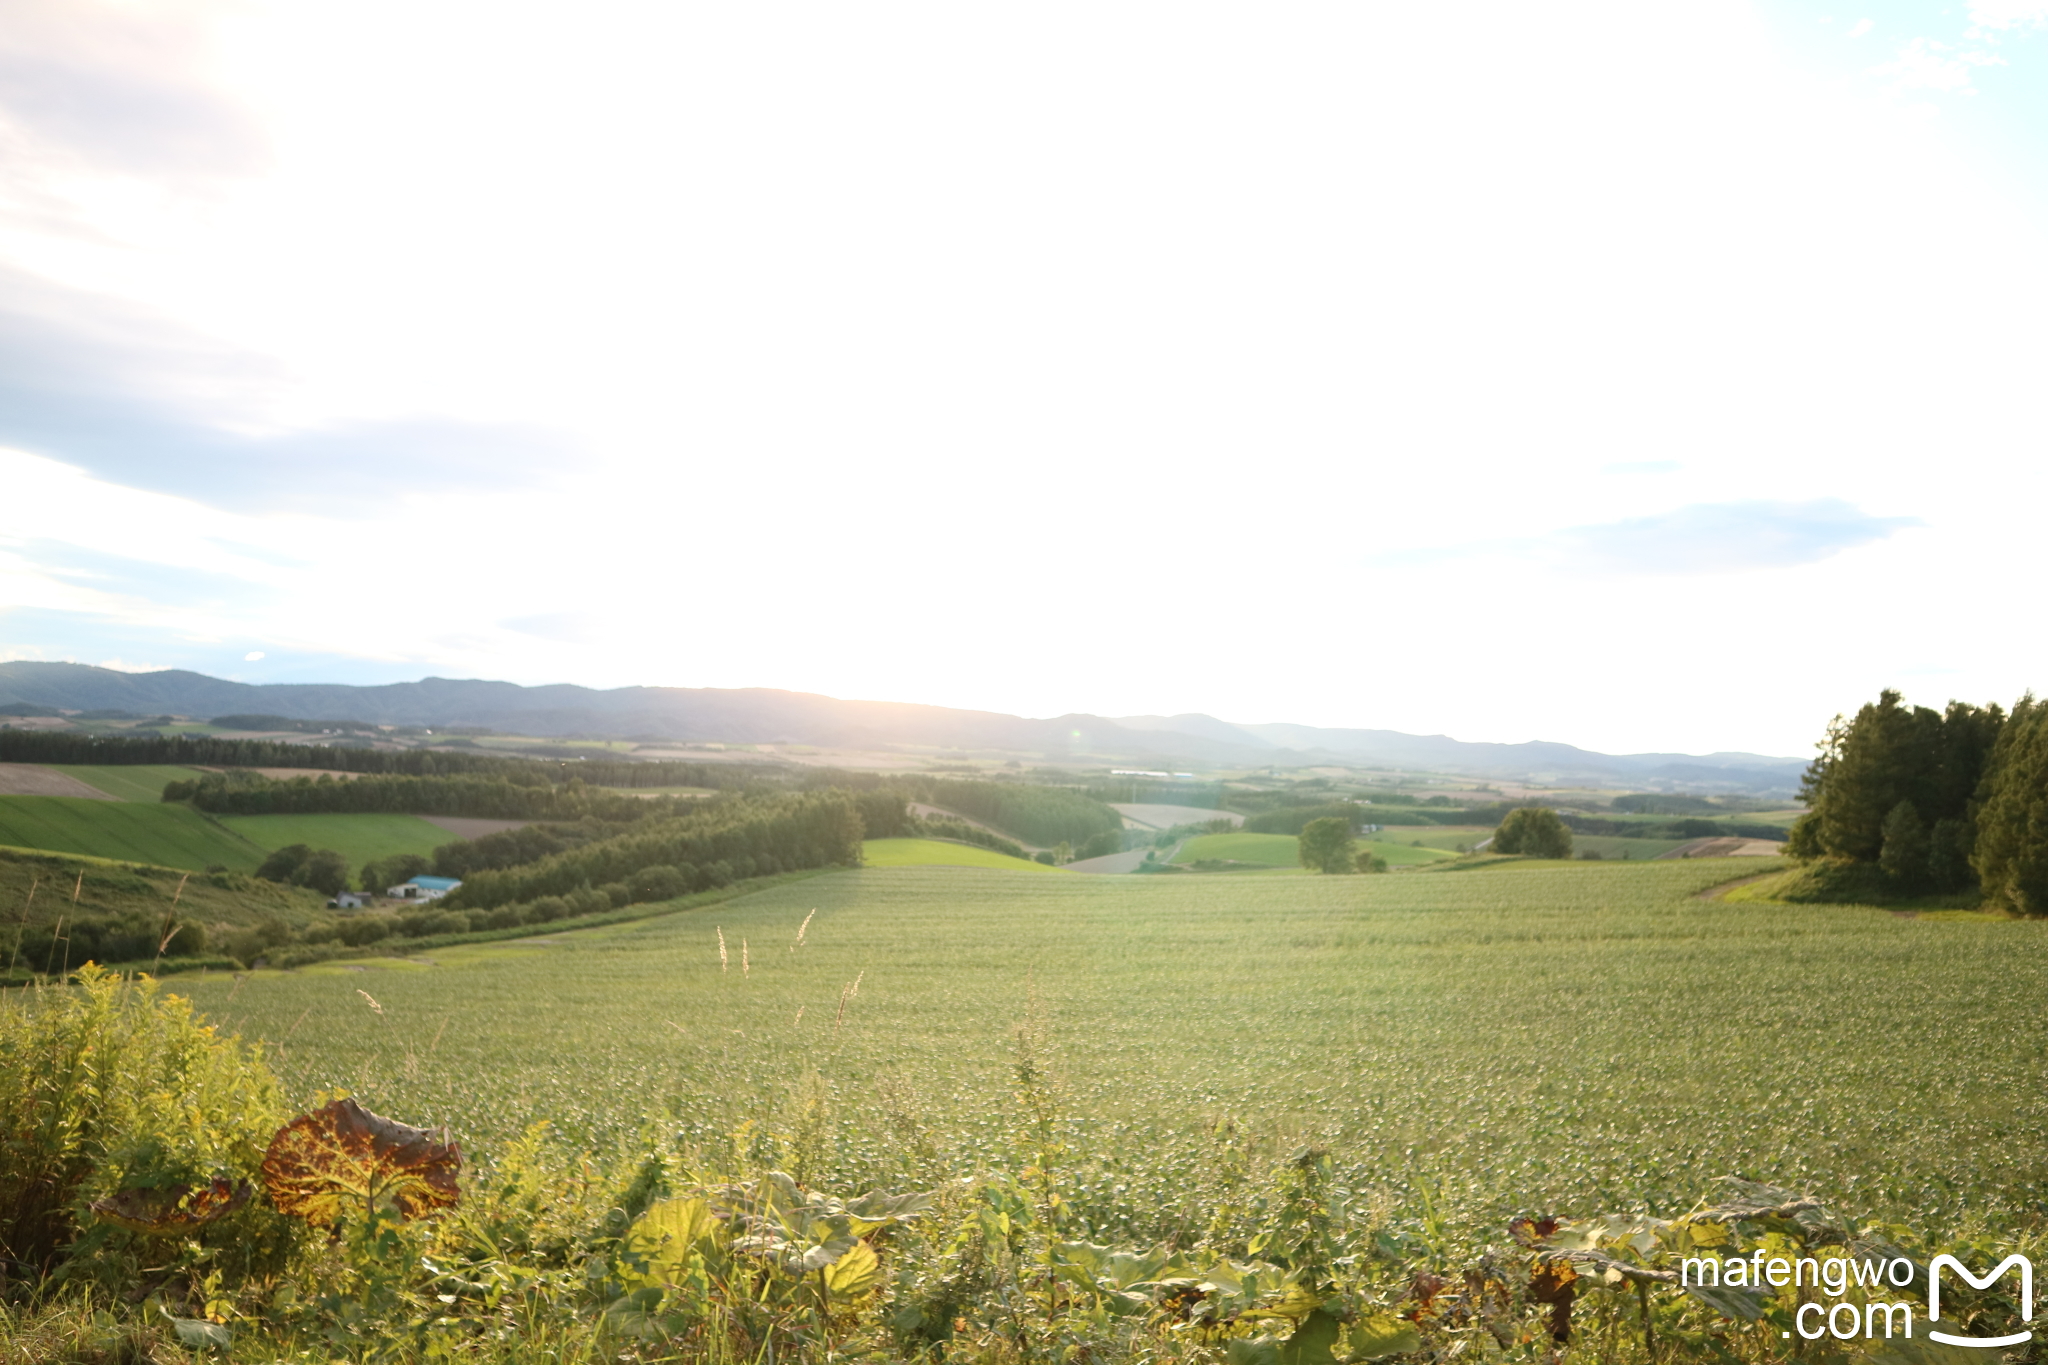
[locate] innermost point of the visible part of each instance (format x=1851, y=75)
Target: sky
x=1650, y=378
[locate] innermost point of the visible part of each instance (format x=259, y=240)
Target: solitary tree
x=1325, y=844
x=1534, y=830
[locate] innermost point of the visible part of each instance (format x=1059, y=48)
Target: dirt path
x=1714, y=893
x=1725, y=848
x=30, y=779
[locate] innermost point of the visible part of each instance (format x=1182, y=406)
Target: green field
x=1570, y=1038
x=1449, y=838
x=1616, y=845
x=137, y=782
x=359, y=838
x=171, y=836
x=941, y=853
x=178, y=836
x=1280, y=850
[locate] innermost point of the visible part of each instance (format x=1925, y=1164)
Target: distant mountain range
x=759, y=715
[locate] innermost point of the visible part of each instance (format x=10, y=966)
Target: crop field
x=1569, y=1038
x=1281, y=850
x=171, y=836
x=942, y=853
x=138, y=782
x=358, y=838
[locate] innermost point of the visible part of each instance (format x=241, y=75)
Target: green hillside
x=1279, y=850
x=132, y=831
x=358, y=838
x=940, y=853
x=140, y=782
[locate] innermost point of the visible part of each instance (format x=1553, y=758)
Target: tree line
x=208, y=751
x=248, y=793
x=1912, y=800
x=766, y=834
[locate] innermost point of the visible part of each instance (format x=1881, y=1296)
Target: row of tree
x=1040, y=815
x=248, y=793
x=62, y=746
x=1935, y=800
x=774, y=833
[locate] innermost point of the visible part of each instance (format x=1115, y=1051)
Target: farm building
x=350, y=900
x=423, y=888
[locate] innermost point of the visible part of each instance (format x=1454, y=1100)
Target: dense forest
x=1907, y=801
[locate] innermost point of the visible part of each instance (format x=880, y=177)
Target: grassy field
x=108, y=887
x=1449, y=838
x=139, y=782
x=1279, y=850
x=941, y=853
x=1555, y=1037
x=1616, y=845
x=172, y=836
x=359, y=838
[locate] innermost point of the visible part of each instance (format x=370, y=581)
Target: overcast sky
x=1647, y=377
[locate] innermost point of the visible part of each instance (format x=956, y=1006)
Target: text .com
x=1834, y=1276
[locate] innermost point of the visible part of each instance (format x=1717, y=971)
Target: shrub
x=586, y=900
x=505, y=917
x=546, y=908
x=719, y=873
x=366, y=929
x=658, y=883
x=392, y=871
x=83, y=1079
x=619, y=894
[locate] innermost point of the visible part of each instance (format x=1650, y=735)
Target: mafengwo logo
x=1845, y=1320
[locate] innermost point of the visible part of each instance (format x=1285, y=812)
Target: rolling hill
x=766, y=715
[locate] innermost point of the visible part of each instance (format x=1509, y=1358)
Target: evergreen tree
x=2011, y=855
x=1906, y=846
x=1889, y=755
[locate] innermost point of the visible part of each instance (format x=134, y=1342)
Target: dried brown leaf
x=341, y=1154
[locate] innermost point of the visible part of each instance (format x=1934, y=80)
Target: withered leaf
x=174, y=1208
x=1555, y=1282
x=1530, y=1231
x=341, y=1156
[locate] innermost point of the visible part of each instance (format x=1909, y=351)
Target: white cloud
x=2005, y=14
x=252, y=656
x=1928, y=64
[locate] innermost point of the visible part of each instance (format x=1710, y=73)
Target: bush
x=366, y=929
x=504, y=917
x=718, y=874
x=587, y=900
x=658, y=883
x=323, y=870
x=545, y=909
x=1043, y=856
x=83, y=1079
x=619, y=894
x=393, y=871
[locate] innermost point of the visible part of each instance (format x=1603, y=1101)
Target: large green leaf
x=1378, y=1335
